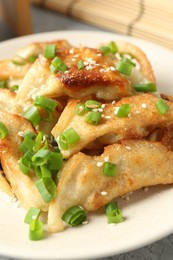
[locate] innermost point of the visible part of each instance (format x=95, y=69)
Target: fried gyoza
x=13, y=70
x=98, y=78
x=22, y=185
x=143, y=119
x=139, y=164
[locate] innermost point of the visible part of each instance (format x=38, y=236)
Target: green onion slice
x=50, y=51
x=124, y=110
x=109, y=169
x=41, y=157
x=55, y=161
x=91, y=104
x=80, y=109
x=93, y=118
x=148, y=87
x=14, y=88
x=3, y=131
x=24, y=165
x=110, y=48
x=162, y=106
x=58, y=65
x=36, y=230
x=124, y=67
x=74, y=216
x=33, y=58
x=32, y=214
x=46, y=103
x=113, y=213
x=47, y=188
x=32, y=115
x=80, y=65
x=113, y=47
x=68, y=137
x=27, y=144
x=3, y=84
x=18, y=60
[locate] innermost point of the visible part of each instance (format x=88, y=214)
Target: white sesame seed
x=95, y=109
x=103, y=106
x=20, y=133
x=106, y=159
x=66, y=71
x=108, y=117
x=116, y=110
x=73, y=59
x=89, y=67
x=112, y=68
x=102, y=70
x=113, y=102
x=104, y=193
x=99, y=164
x=99, y=54
x=144, y=105
x=100, y=110
x=128, y=148
x=71, y=51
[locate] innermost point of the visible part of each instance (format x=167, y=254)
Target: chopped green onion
x=109, y=169
x=18, y=60
x=3, y=84
x=125, y=59
x=32, y=214
x=27, y=144
x=28, y=155
x=33, y=58
x=36, y=230
x=113, y=213
x=148, y=87
x=32, y=115
x=68, y=137
x=24, y=165
x=113, y=47
x=74, y=216
x=124, y=110
x=3, y=131
x=50, y=51
x=80, y=65
x=41, y=157
x=47, y=188
x=124, y=67
x=58, y=65
x=105, y=49
x=55, y=161
x=93, y=118
x=29, y=133
x=110, y=48
x=162, y=106
x=91, y=104
x=43, y=171
x=80, y=109
x=38, y=141
x=46, y=103
x=14, y=88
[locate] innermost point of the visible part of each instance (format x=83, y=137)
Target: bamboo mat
x=147, y=19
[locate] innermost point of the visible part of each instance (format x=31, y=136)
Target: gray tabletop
x=160, y=250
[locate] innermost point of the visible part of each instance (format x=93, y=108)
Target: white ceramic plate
x=148, y=215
